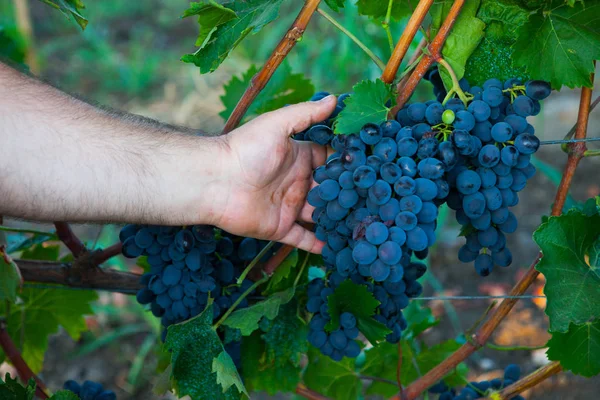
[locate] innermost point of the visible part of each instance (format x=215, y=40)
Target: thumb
x=297, y=117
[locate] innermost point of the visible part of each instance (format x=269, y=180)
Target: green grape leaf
x=227, y=374
x=572, y=284
x=252, y=16
x=283, y=278
x=271, y=360
x=337, y=380
x=419, y=319
x=194, y=345
x=578, y=349
x=356, y=299
x=64, y=395
x=10, y=279
x=11, y=389
x=560, y=45
x=284, y=87
x=335, y=5
x=70, y=8
x=463, y=39
x=211, y=15
x=247, y=319
x=493, y=57
x=39, y=315
x=366, y=105
x=42, y=253
x=378, y=8
x=382, y=362
x=12, y=44
x=20, y=242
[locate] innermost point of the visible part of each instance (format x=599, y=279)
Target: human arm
x=62, y=159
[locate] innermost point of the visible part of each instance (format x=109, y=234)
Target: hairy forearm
x=63, y=159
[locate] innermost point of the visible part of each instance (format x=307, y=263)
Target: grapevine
x=444, y=132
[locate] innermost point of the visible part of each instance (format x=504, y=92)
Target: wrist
x=193, y=181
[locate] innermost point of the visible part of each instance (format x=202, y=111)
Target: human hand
x=271, y=174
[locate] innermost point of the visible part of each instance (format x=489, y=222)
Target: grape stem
x=455, y=85
x=351, y=36
x=51, y=235
x=529, y=381
x=478, y=340
x=415, y=21
x=239, y=300
x=255, y=261
x=260, y=80
x=301, y=270
x=433, y=52
x=13, y=354
x=386, y=25
x=68, y=237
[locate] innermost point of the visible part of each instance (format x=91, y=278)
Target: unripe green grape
x=448, y=117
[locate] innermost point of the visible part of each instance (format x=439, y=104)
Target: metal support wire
x=544, y=142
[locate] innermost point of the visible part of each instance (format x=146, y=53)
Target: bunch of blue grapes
x=494, y=143
x=322, y=133
x=339, y=342
x=187, y=265
x=477, y=390
x=89, y=390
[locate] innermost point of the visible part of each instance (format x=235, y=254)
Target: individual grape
x=380, y=193
x=492, y=96
x=489, y=156
x=408, y=166
x=411, y=203
x=419, y=130
x=464, y=120
x=416, y=111
x=406, y=220
x=407, y=147
x=334, y=168
x=483, y=130
x=468, y=182
x=320, y=134
x=390, y=128
x=502, y=258
x=433, y=113
x=448, y=117
x=512, y=372
x=347, y=198
x=364, y=177
x=493, y=198
x=338, y=339
x=416, y=239
x=480, y=109
x=389, y=210
x=329, y=190
x=386, y=149
x=431, y=168
x=509, y=155
x=379, y=270
x=130, y=249
x=370, y=134
x=447, y=154
x=455, y=104
x=404, y=132
x=523, y=106
x=353, y=158
x=484, y=264
x=493, y=82
x=527, y=143
x=352, y=349
x=519, y=180
x=405, y=186
x=518, y=123
x=390, y=172
x=510, y=225
x=425, y=189
x=466, y=255
x=390, y=253
x=377, y=233
x=428, y=213
x=364, y=253
x=487, y=237
x=317, y=338
x=443, y=189
x=474, y=205
x=537, y=90
x=346, y=181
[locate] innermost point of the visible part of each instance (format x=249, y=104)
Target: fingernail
x=326, y=99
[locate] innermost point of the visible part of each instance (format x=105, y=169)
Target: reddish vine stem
x=479, y=339
x=309, y=394
x=103, y=255
x=415, y=21
x=434, y=52
x=13, y=354
x=90, y=278
x=260, y=80
x=68, y=237
x=418, y=52
x=529, y=381
x=277, y=258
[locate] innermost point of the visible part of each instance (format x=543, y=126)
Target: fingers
x=297, y=117
x=319, y=155
x=303, y=239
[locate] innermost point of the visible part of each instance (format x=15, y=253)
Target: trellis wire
x=563, y=141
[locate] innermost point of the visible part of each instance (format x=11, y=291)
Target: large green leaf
x=560, y=44
x=10, y=279
x=356, y=299
x=378, y=8
x=247, y=319
x=370, y=103
x=194, y=345
x=284, y=87
x=69, y=8
x=252, y=16
x=572, y=282
x=337, y=380
x=382, y=362
x=271, y=359
x=39, y=315
x=578, y=350
x=419, y=320
x=463, y=39
x=335, y=5
x=211, y=15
